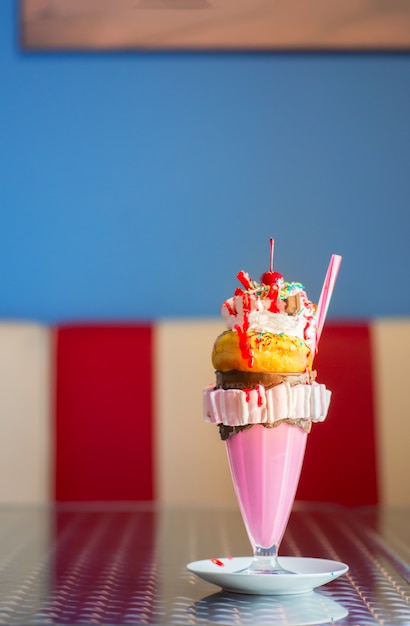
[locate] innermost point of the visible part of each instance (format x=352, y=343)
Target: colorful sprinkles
x=254, y=288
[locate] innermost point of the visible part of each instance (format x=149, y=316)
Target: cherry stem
x=272, y=246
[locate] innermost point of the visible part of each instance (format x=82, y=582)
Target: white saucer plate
x=309, y=573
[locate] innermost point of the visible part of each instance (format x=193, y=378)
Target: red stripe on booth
x=104, y=421
x=340, y=462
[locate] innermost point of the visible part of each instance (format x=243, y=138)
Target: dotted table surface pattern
x=127, y=565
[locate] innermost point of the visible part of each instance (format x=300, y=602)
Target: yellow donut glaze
x=270, y=352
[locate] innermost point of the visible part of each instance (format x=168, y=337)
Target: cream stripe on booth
x=391, y=342
x=25, y=468
x=191, y=459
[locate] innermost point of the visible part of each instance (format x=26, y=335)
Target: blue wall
x=137, y=185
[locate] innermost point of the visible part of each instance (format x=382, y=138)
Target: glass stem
x=265, y=561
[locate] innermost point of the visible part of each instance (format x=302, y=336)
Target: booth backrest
x=114, y=412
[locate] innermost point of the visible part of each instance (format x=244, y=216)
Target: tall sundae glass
x=265, y=464
x=266, y=399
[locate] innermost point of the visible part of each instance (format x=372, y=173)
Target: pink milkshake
x=265, y=465
x=266, y=398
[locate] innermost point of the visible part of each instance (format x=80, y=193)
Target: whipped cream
x=251, y=310
x=262, y=320
x=234, y=407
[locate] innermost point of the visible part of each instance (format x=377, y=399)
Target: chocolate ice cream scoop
x=235, y=379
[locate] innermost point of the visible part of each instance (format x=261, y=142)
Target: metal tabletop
x=119, y=564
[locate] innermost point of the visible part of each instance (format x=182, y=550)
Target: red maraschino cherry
x=271, y=277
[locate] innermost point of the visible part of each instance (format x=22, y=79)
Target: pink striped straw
x=326, y=294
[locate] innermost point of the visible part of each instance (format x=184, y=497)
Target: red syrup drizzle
x=248, y=395
x=244, y=345
x=273, y=296
x=305, y=336
x=245, y=279
x=231, y=310
x=309, y=321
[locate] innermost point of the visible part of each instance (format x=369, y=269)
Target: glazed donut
x=261, y=352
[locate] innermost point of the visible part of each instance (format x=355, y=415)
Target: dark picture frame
x=215, y=25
